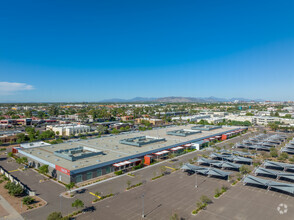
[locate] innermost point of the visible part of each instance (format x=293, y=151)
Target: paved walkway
x=11, y=213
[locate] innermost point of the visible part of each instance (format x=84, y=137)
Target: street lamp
x=143, y=215
x=196, y=180
x=60, y=202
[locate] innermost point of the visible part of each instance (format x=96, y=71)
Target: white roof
x=162, y=152
x=176, y=148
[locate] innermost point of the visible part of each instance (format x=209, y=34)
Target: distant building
x=19, y=121
x=153, y=121
x=127, y=118
x=9, y=136
x=67, y=130
x=191, y=118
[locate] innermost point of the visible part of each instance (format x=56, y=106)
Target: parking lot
x=248, y=202
x=175, y=193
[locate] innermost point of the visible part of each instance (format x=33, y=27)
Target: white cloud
x=9, y=88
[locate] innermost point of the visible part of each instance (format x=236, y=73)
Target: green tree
x=27, y=200
x=273, y=152
x=273, y=126
x=244, y=169
x=70, y=185
x=29, y=113
x=44, y=169
x=77, y=203
x=129, y=183
x=55, y=216
x=204, y=199
x=174, y=217
x=283, y=156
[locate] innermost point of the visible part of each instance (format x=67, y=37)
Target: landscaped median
x=219, y=192
x=204, y=201
x=157, y=177
x=99, y=198
x=133, y=186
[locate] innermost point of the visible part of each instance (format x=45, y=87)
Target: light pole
x=196, y=180
x=60, y=202
x=143, y=215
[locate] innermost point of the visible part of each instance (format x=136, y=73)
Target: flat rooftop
x=115, y=151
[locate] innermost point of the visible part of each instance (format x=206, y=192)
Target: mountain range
x=173, y=99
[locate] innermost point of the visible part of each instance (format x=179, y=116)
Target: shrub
x=55, y=216
x=28, y=200
x=77, y=203
x=44, y=169
x=119, y=172
x=204, y=199
x=273, y=152
x=14, y=189
x=217, y=193
x=244, y=169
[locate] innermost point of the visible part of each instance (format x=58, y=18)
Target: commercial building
x=87, y=159
x=194, y=118
x=19, y=121
x=153, y=121
x=9, y=136
x=67, y=130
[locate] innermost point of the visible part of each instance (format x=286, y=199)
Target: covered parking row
x=288, y=150
x=254, y=147
x=217, y=163
x=274, y=173
x=269, y=184
x=206, y=171
x=278, y=165
x=230, y=157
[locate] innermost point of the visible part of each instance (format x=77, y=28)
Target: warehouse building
x=87, y=159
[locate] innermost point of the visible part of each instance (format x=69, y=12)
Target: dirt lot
x=16, y=202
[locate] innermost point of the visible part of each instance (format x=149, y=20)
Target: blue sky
x=95, y=50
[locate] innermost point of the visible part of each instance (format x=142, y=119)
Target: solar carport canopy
x=288, y=150
x=279, y=165
x=217, y=163
x=231, y=158
x=205, y=171
x=275, y=173
x=285, y=187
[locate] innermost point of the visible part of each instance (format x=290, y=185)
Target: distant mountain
x=173, y=99
x=136, y=99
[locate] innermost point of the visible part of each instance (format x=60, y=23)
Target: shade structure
x=285, y=187
x=206, y=171
x=230, y=157
x=275, y=173
x=217, y=163
x=291, y=146
x=278, y=165
x=241, y=153
x=288, y=150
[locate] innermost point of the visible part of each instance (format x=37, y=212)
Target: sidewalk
x=9, y=211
